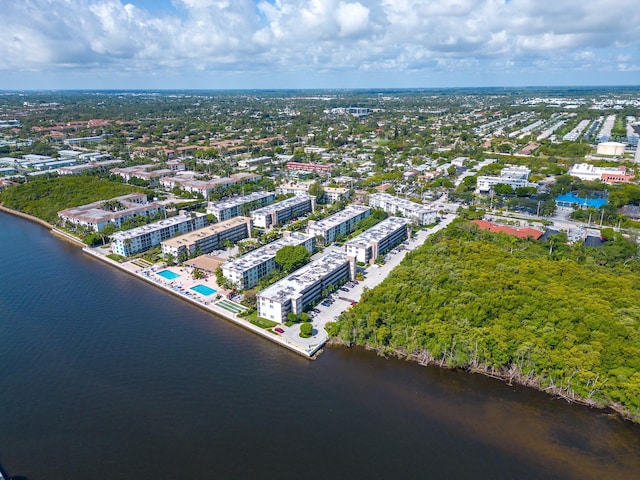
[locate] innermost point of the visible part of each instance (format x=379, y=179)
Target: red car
x=279, y=330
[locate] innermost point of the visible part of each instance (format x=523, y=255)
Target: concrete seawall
x=215, y=310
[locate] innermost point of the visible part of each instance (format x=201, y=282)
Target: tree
x=316, y=190
x=292, y=257
x=197, y=274
x=503, y=189
x=292, y=317
x=306, y=329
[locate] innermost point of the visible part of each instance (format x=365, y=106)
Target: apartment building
x=247, y=270
x=140, y=239
x=281, y=212
x=304, y=286
x=378, y=240
x=237, y=206
x=98, y=215
x=208, y=238
x=338, y=224
x=420, y=214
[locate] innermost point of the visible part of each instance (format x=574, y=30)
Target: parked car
x=344, y=289
x=279, y=330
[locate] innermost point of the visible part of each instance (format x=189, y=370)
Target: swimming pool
x=203, y=290
x=168, y=274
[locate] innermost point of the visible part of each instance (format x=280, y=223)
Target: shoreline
x=218, y=312
x=533, y=383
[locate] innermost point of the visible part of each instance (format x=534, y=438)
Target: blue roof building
x=570, y=199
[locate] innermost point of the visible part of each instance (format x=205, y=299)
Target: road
x=374, y=275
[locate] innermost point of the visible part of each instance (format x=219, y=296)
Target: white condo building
x=247, y=270
x=341, y=223
x=115, y=211
x=208, y=238
x=378, y=240
x=421, y=214
x=139, y=239
x=303, y=287
x=236, y=206
x=281, y=212
x=512, y=175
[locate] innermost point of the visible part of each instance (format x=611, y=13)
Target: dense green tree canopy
x=292, y=257
x=555, y=316
x=44, y=198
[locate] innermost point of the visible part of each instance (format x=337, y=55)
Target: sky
x=282, y=44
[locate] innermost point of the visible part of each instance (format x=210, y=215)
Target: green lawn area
x=115, y=257
x=261, y=322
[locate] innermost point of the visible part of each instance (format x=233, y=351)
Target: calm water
x=105, y=377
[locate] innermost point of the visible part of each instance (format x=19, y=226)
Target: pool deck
x=181, y=288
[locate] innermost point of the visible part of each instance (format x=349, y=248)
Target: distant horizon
x=323, y=89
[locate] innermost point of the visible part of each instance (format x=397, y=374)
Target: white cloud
x=332, y=35
x=353, y=18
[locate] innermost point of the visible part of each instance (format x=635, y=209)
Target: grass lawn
x=115, y=257
x=261, y=322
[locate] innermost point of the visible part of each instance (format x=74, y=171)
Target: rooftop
x=152, y=227
x=235, y=201
x=518, y=232
x=289, y=202
x=304, y=277
x=378, y=232
x=208, y=231
x=340, y=217
x=402, y=202
x=262, y=254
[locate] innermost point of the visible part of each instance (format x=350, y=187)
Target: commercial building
x=586, y=171
x=208, y=238
x=281, y=212
x=378, y=240
x=236, y=206
x=304, y=286
x=420, y=214
x=571, y=200
x=338, y=224
x=139, y=239
x=115, y=211
x=512, y=175
x=246, y=271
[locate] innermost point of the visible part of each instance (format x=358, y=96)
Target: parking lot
x=345, y=298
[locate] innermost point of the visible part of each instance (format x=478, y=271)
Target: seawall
x=214, y=309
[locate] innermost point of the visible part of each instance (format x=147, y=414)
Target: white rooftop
x=378, y=232
x=340, y=217
x=152, y=227
x=235, y=201
x=289, y=202
x=304, y=277
x=262, y=254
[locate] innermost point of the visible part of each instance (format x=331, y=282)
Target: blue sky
x=87, y=44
